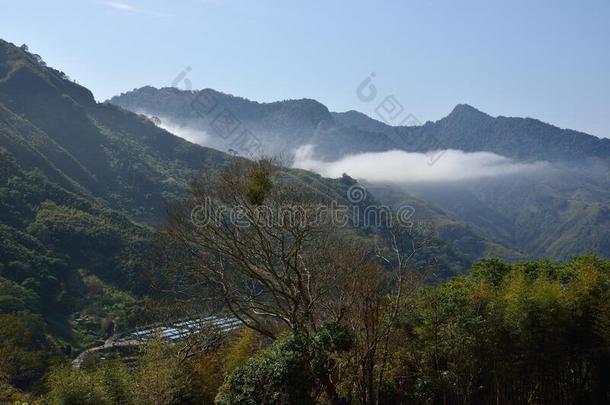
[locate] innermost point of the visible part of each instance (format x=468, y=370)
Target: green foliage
x=288, y=370
x=10, y=394
x=206, y=373
x=15, y=298
x=109, y=384
x=116, y=382
x=158, y=375
x=259, y=183
x=155, y=380
x=74, y=174
x=490, y=270
x=50, y=241
x=69, y=386
x=277, y=375
x=333, y=338
x=534, y=331
x=25, y=349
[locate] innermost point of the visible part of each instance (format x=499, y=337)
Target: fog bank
x=397, y=166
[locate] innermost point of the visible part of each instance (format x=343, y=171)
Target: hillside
x=54, y=125
x=468, y=240
x=80, y=183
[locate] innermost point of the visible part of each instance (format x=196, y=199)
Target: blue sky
x=543, y=59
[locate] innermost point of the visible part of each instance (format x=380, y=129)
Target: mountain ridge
x=296, y=122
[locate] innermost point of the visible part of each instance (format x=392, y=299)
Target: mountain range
x=284, y=125
x=557, y=212
x=84, y=184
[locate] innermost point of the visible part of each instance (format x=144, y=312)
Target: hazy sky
x=544, y=59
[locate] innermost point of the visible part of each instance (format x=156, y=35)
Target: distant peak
x=466, y=108
x=356, y=115
x=312, y=111
x=467, y=111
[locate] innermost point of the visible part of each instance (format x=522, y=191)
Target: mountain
x=471, y=130
x=82, y=186
x=247, y=127
x=285, y=125
x=558, y=212
x=123, y=161
x=281, y=128
x=54, y=125
x=469, y=241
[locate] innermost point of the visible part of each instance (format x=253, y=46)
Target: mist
x=183, y=131
x=396, y=166
x=190, y=134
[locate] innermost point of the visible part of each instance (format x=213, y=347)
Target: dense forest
x=534, y=332
x=366, y=326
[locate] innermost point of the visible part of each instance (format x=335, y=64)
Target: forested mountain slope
x=54, y=125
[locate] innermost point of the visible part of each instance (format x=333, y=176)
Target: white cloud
x=120, y=6
x=126, y=7
x=396, y=166
x=190, y=134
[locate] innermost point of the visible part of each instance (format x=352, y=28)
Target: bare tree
x=280, y=260
x=271, y=251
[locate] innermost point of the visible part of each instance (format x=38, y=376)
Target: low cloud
x=190, y=134
x=185, y=132
x=396, y=166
